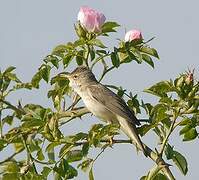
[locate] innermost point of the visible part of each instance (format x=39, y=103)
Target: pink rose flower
x=133, y=35
x=91, y=19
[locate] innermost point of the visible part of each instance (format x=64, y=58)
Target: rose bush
x=38, y=132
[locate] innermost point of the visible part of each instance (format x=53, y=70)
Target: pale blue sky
x=30, y=29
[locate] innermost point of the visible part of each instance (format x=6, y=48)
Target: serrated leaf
x=65, y=149
x=185, y=129
x=160, y=89
x=85, y=164
x=168, y=152
x=115, y=59
x=137, y=55
x=180, y=162
x=9, y=176
x=54, y=61
x=71, y=172
x=80, y=57
x=45, y=172
x=60, y=49
x=8, y=70
x=97, y=42
x=40, y=155
x=150, y=51
x=85, y=149
x=36, y=79
x=3, y=144
x=74, y=155
x=67, y=59
x=45, y=72
x=8, y=119
x=109, y=27
x=160, y=176
x=190, y=134
x=92, y=54
x=148, y=60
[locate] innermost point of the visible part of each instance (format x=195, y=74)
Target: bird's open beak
x=64, y=75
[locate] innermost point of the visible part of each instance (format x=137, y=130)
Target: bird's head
x=81, y=76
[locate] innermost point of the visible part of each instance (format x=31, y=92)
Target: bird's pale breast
x=97, y=108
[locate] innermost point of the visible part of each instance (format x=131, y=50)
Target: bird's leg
x=75, y=100
x=111, y=140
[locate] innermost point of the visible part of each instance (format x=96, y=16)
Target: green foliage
x=37, y=131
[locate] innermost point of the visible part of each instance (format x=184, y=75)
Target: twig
x=99, y=59
x=106, y=71
x=29, y=155
x=13, y=107
x=167, y=137
x=11, y=157
x=78, y=112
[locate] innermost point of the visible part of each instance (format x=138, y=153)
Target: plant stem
x=105, y=72
x=167, y=136
x=151, y=154
x=87, y=56
x=1, y=123
x=29, y=155
x=11, y=157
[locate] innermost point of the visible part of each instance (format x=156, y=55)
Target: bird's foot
x=111, y=141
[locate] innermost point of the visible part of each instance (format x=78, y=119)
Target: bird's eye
x=75, y=76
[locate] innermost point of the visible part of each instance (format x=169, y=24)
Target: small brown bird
x=104, y=103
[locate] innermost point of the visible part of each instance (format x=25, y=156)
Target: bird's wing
x=112, y=102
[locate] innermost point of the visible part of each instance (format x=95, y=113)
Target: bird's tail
x=130, y=130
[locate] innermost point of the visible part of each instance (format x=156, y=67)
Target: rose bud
x=90, y=19
x=133, y=35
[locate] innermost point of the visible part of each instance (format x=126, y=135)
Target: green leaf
x=36, y=79
x=54, y=60
x=190, y=134
x=137, y=55
x=45, y=172
x=85, y=164
x=150, y=51
x=148, y=60
x=9, y=69
x=9, y=176
x=40, y=155
x=80, y=57
x=153, y=172
x=60, y=49
x=160, y=176
x=11, y=167
x=18, y=146
x=92, y=54
x=160, y=89
x=74, y=155
x=91, y=176
x=109, y=27
x=97, y=42
x=180, y=162
x=13, y=77
x=85, y=149
x=65, y=149
x=115, y=59
x=185, y=129
x=71, y=172
x=8, y=119
x=67, y=59
x=45, y=72
x=3, y=144
x=168, y=152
